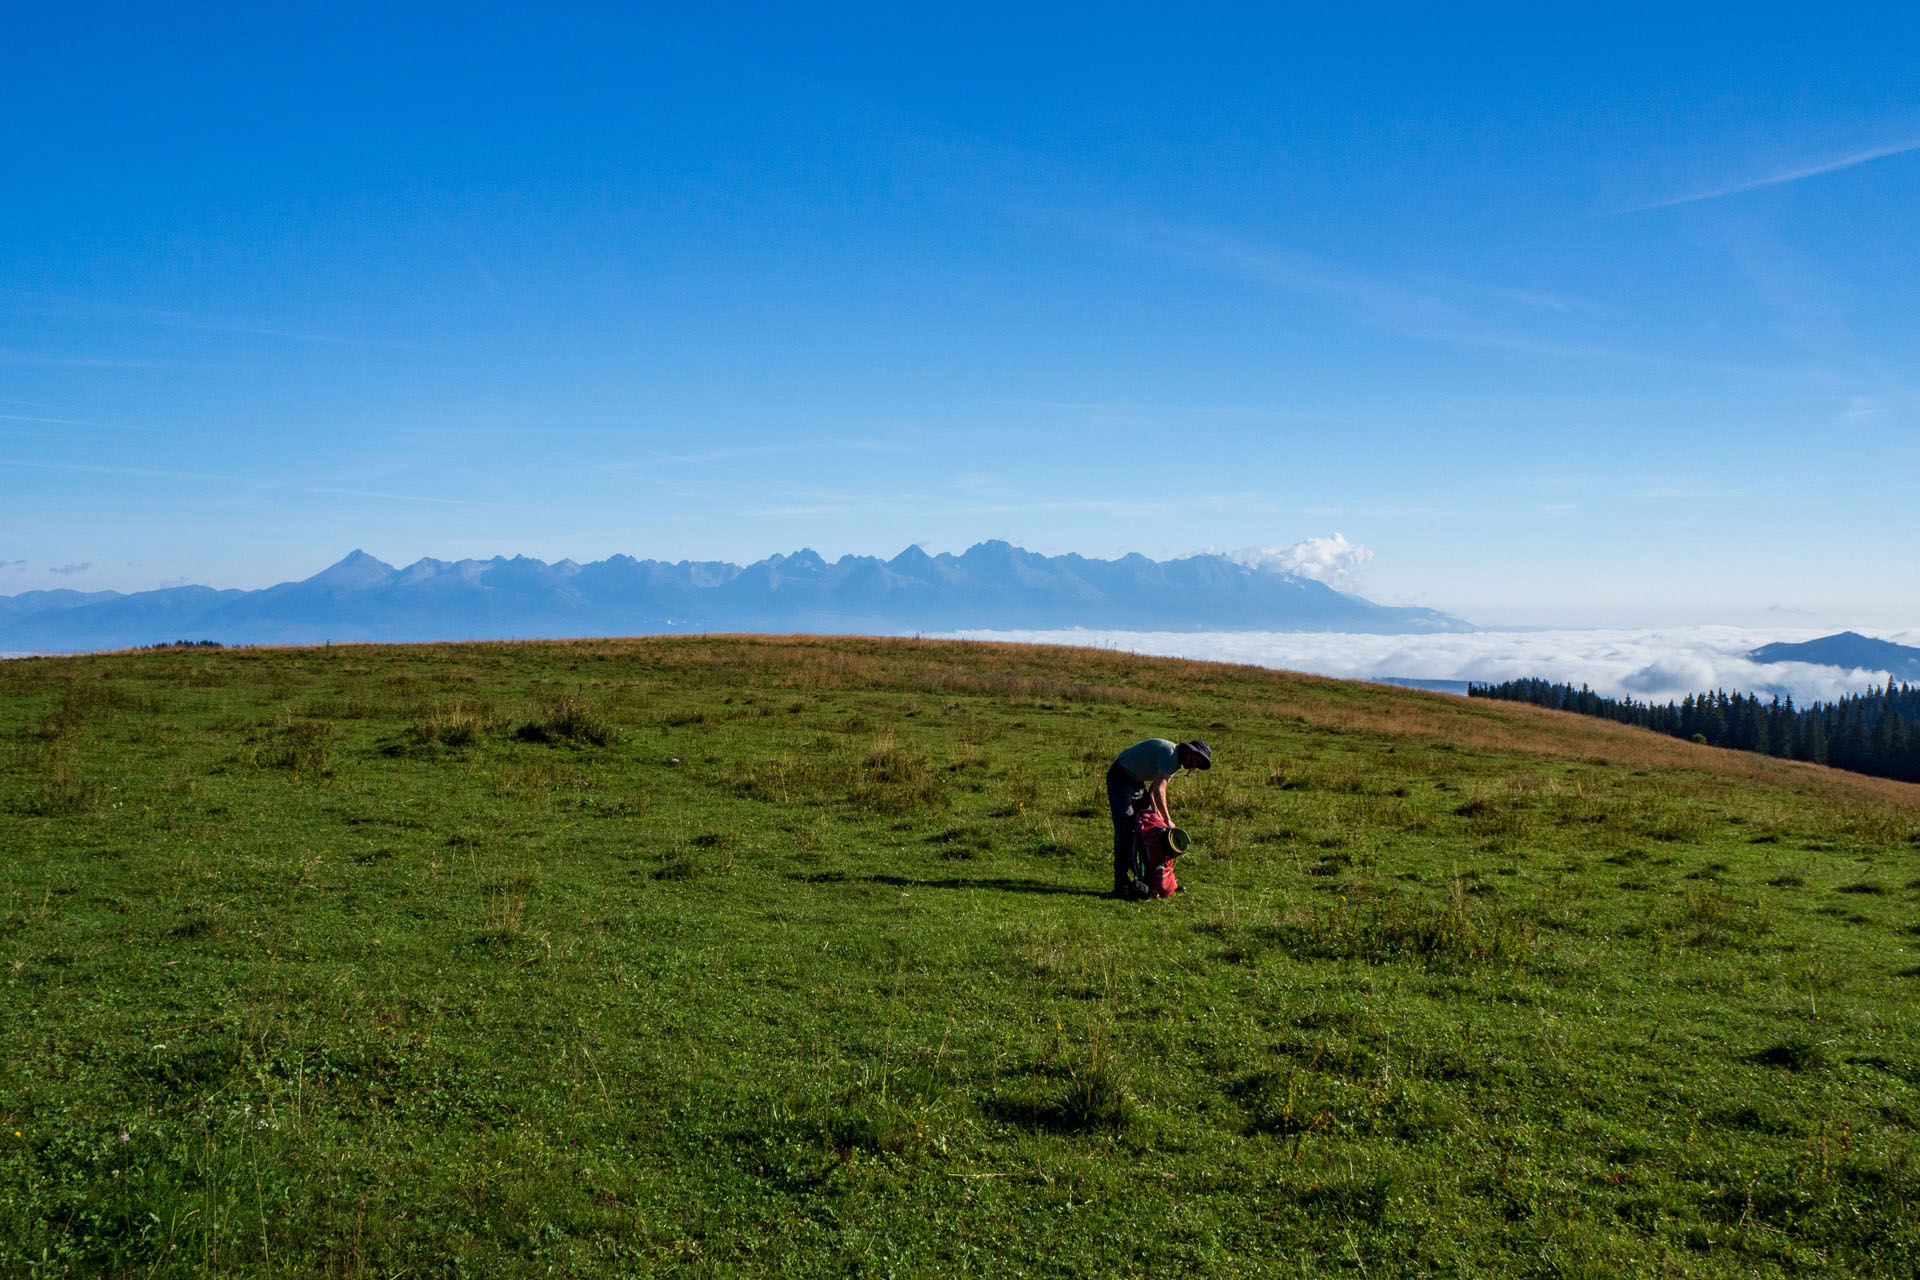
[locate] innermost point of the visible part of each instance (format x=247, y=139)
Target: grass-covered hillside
x=783, y=956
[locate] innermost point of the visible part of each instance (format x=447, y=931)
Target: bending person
x=1136, y=781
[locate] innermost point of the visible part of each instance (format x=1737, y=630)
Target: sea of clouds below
x=1652, y=664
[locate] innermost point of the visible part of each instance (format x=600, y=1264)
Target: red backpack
x=1155, y=855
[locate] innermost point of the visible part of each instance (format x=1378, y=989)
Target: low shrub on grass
x=894, y=780
x=567, y=720
x=459, y=725
x=963, y=843
x=62, y=791
x=873, y=1123
x=889, y=779
x=1709, y=917
x=1393, y=927
x=1072, y=1088
x=1091, y=1097
x=1096, y=1096
x=297, y=746
x=1501, y=821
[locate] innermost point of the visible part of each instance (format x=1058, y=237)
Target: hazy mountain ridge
x=1848, y=649
x=991, y=585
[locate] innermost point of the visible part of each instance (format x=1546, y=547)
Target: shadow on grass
x=1003, y=884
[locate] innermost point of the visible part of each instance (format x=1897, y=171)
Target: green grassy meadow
x=783, y=956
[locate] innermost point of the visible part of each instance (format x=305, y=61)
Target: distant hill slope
x=991, y=585
x=1849, y=649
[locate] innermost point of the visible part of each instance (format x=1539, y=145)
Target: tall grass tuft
x=298, y=746
x=1096, y=1097
x=1075, y=1090
x=567, y=719
x=894, y=780
x=460, y=724
x=63, y=792
x=1458, y=931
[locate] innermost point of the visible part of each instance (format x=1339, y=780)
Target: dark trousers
x=1126, y=797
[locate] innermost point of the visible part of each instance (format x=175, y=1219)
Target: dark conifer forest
x=1877, y=732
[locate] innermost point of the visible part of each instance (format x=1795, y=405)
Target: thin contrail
x=1782, y=176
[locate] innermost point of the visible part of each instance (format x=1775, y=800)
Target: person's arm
x=1157, y=797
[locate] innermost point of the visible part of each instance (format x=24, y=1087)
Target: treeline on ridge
x=1877, y=732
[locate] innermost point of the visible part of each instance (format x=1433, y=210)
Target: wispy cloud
x=1686, y=495
x=252, y=482
x=1782, y=176
x=59, y=361
x=81, y=567
x=89, y=468
x=62, y=307
x=1391, y=307
x=384, y=496
x=208, y=324
x=736, y=453
x=1377, y=303
x=1540, y=300
x=1154, y=412
x=783, y=513
x=929, y=505
x=486, y=276
x=462, y=246
x=974, y=505
x=1863, y=407
x=72, y=422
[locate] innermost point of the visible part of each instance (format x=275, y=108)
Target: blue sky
x=1599, y=316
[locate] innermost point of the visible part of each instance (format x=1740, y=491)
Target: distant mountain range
x=1851, y=650
x=992, y=586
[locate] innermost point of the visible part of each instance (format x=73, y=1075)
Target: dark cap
x=1202, y=750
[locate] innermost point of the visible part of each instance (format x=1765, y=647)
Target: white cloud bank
x=1332, y=560
x=1655, y=665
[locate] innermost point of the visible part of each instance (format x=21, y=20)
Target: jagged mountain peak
x=356, y=570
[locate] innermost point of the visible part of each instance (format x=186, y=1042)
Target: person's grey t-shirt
x=1154, y=758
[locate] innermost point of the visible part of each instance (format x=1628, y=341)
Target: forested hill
x=1876, y=733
